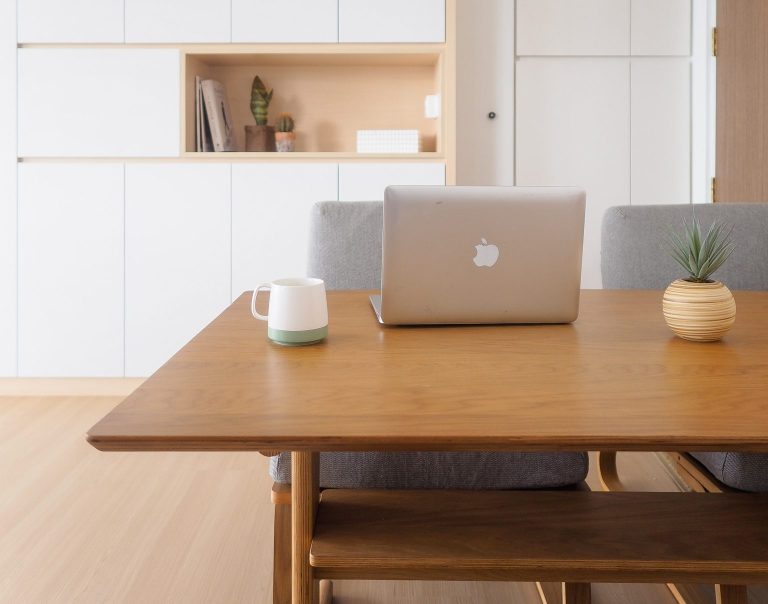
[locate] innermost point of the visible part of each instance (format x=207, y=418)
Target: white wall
x=7, y=188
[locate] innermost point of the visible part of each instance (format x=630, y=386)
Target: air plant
x=701, y=255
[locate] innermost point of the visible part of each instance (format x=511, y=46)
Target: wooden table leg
x=305, y=492
x=577, y=593
x=731, y=594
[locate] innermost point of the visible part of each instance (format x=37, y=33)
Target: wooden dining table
x=614, y=380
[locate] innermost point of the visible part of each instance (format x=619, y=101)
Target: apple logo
x=487, y=254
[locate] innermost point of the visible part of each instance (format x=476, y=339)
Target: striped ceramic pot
x=701, y=312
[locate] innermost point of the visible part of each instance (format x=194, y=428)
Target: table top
x=616, y=379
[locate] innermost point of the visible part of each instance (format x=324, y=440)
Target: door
x=107, y=102
x=70, y=270
x=177, y=21
x=366, y=182
x=742, y=101
x=270, y=218
x=392, y=21
x=177, y=257
x=261, y=21
x=73, y=21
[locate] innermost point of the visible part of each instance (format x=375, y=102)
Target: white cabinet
x=366, y=182
x=284, y=20
x=485, y=147
x=565, y=27
x=661, y=27
x=78, y=21
x=177, y=257
x=177, y=21
x=391, y=21
x=98, y=102
x=70, y=270
x=661, y=131
x=270, y=218
x=573, y=128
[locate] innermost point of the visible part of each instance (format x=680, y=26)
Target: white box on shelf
x=388, y=141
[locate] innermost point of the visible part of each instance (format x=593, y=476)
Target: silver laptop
x=463, y=255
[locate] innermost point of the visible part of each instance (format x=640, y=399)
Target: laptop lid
x=461, y=255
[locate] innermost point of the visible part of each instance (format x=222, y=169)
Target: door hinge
x=714, y=41
x=714, y=190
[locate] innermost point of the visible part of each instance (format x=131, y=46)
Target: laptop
x=472, y=255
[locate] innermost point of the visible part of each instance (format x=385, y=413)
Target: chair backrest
x=634, y=252
x=345, y=244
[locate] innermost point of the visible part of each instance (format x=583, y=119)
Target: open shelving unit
x=332, y=90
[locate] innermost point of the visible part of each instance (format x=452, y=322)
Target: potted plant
x=285, y=137
x=260, y=137
x=697, y=307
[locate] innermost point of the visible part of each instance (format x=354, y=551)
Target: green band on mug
x=297, y=338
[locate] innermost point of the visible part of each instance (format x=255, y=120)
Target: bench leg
x=577, y=593
x=281, y=571
x=731, y=594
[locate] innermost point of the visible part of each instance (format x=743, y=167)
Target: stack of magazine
x=214, y=130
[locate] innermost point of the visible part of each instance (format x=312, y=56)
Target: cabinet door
x=8, y=168
x=573, y=126
x=565, y=27
x=485, y=147
x=98, y=102
x=284, y=21
x=177, y=21
x=661, y=27
x=270, y=219
x=366, y=182
x=177, y=257
x=78, y=21
x=70, y=270
x=391, y=21
x=661, y=131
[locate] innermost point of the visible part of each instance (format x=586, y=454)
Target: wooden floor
x=77, y=525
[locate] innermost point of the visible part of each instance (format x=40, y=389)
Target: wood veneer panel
x=742, y=101
x=569, y=536
x=617, y=379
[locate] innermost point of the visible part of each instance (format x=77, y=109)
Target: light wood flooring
x=77, y=525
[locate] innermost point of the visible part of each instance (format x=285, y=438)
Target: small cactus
x=284, y=123
x=260, y=100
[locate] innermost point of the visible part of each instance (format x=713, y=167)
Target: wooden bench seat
x=542, y=536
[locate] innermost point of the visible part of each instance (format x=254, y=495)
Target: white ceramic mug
x=298, y=313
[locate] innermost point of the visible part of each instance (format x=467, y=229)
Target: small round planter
x=285, y=141
x=259, y=138
x=701, y=312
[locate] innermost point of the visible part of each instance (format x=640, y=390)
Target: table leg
x=305, y=492
x=731, y=594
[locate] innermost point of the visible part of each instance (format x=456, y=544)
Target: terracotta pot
x=259, y=138
x=286, y=141
x=702, y=312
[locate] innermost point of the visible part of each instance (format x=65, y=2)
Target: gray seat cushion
x=483, y=470
x=743, y=471
x=345, y=251
x=633, y=257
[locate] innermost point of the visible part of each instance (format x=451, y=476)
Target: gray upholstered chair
x=345, y=251
x=633, y=257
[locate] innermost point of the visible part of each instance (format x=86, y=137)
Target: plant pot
x=701, y=312
x=259, y=138
x=286, y=141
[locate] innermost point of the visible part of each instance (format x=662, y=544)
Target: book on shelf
x=215, y=125
x=203, y=141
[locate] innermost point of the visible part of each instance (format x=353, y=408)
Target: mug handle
x=254, y=312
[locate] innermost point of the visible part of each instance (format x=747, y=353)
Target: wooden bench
x=572, y=537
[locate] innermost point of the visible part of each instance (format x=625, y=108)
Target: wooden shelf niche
x=331, y=91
